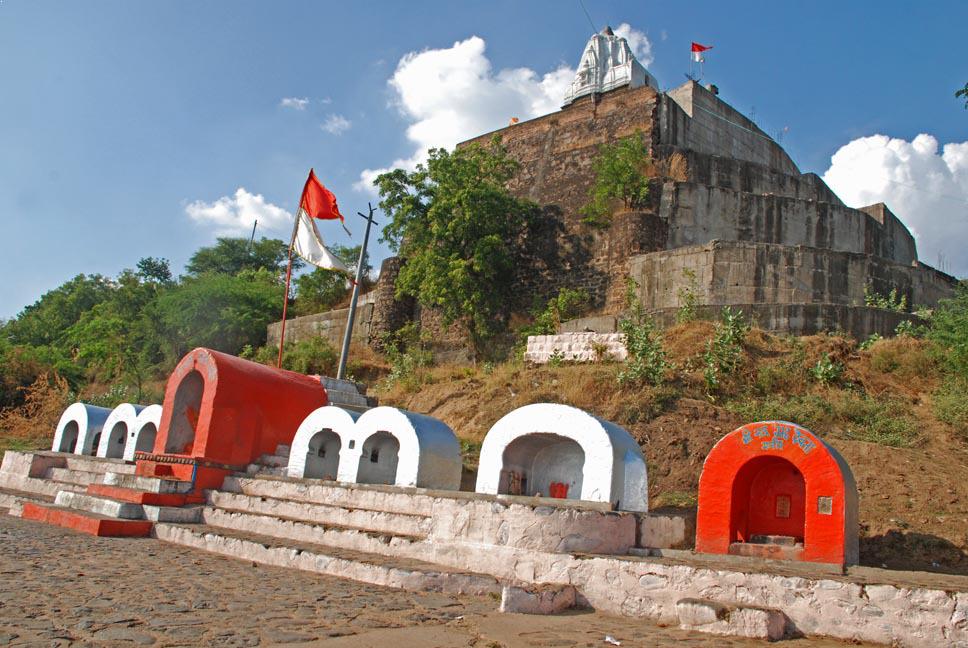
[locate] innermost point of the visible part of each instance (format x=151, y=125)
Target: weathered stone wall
x=389, y=312
x=739, y=272
x=556, y=153
x=698, y=214
x=330, y=325
x=692, y=117
x=749, y=177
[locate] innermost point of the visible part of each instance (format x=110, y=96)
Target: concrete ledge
x=546, y=599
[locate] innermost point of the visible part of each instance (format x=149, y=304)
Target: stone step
x=402, y=573
x=13, y=500
x=100, y=464
x=150, y=484
x=100, y=505
x=35, y=485
x=388, y=499
x=331, y=535
x=143, y=497
x=73, y=476
x=258, y=469
x=84, y=521
x=322, y=513
x=123, y=510
x=272, y=461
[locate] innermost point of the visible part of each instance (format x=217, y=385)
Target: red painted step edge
x=137, y=496
x=77, y=521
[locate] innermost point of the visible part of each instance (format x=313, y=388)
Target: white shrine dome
x=607, y=63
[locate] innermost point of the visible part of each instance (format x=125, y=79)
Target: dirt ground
x=60, y=588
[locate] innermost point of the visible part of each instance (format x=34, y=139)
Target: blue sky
x=120, y=120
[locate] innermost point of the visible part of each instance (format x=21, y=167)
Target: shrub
x=870, y=341
x=688, y=295
x=724, y=353
x=826, y=371
x=620, y=177
x=949, y=332
x=406, y=352
x=951, y=406
x=892, y=301
x=646, y=360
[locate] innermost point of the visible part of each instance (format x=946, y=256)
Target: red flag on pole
x=698, y=49
x=318, y=201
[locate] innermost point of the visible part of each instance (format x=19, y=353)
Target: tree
x=963, y=94
x=220, y=311
x=155, y=270
x=46, y=321
x=620, y=176
x=456, y=225
x=320, y=290
x=233, y=255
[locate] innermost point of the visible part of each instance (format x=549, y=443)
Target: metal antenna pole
x=341, y=371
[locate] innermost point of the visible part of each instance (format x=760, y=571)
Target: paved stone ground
x=60, y=588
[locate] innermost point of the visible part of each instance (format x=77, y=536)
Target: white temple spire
x=606, y=64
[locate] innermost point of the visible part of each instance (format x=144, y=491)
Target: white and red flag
x=697, y=51
x=317, y=202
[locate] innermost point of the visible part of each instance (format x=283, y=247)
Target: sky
x=134, y=129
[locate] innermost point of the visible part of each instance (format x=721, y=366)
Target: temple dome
x=607, y=63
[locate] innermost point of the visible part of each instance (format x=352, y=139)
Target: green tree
x=620, y=177
x=320, y=290
x=118, y=338
x=219, y=311
x=45, y=322
x=456, y=225
x=963, y=94
x=155, y=270
x=234, y=255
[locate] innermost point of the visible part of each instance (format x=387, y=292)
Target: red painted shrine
x=775, y=490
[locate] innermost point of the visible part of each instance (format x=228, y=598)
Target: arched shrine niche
x=317, y=447
x=560, y=451
x=774, y=489
x=542, y=464
x=114, y=435
x=186, y=407
x=379, y=459
x=394, y=446
x=78, y=428
x=141, y=436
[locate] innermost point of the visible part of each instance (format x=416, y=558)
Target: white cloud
x=450, y=95
x=638, y=41
x=928, y=191
x=295, y=103
x=235, y=215
x=336, y=124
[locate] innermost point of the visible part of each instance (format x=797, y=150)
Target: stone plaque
x=782, y=506
x=825, y=505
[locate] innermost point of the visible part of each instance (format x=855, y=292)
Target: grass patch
x=809, y=410
x=951, y=406
x=678, y=499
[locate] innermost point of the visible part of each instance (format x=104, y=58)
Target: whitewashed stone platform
x=576, y=347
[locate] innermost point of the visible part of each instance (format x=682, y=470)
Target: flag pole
x=348, y=334
x=285, y=301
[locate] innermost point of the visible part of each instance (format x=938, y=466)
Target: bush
x=826, y=371
x=646, y=360
x=620, y=177
x=406, y=352
x=892, y=301
x=949, y=332
x=951, y=406
x=313, y=356
x=688, y=295
x=724, y=353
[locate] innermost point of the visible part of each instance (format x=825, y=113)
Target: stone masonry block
x=537, y=599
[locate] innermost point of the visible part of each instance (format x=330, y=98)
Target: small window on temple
x=321, y=452
x=374, y=455
x=352, y=444
x=782, y=506
x=825, y=505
